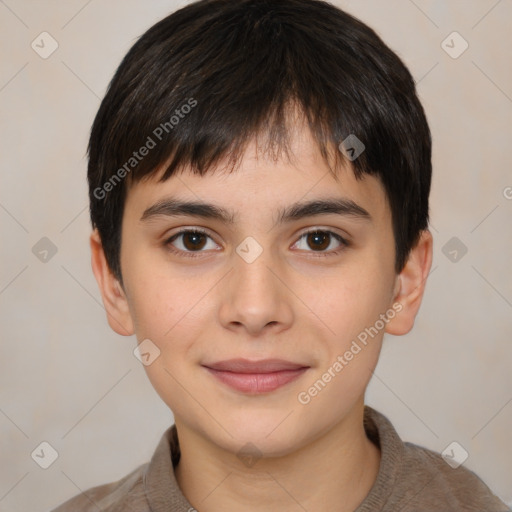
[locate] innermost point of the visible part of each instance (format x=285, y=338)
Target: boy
x=259, y=175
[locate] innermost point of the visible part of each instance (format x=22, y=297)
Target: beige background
x=67, y=379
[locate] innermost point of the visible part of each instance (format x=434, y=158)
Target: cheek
x=157, y=296
x=170, y=314
x=170, y=311
x=352, y=310
x=152, y=309
x=353, y=299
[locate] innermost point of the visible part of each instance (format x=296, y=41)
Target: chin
x=268, y=435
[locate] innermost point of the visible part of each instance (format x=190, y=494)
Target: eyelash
x=195, y=254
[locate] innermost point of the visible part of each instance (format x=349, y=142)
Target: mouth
x=256, y=377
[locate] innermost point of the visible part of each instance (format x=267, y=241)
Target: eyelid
x=189, y=229
x=325, y=229
x=342, y=239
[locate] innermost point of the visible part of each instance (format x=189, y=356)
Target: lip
x=256, y=377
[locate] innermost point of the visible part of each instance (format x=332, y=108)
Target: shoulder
x=412, y=478
x=438, y=484
x=111, y=497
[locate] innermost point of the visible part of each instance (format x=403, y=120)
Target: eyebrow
x=171, y=207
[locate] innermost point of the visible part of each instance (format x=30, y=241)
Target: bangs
x=273, y=137
x=253, y=80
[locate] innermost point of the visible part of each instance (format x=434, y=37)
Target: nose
x=255, y=298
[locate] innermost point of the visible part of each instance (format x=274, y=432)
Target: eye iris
x=320, y=240
x=195, y=239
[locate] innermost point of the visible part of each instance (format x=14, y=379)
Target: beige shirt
x=410, y=479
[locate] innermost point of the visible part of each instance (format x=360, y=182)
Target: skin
x=290, y=303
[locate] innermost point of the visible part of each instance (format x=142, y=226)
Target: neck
x=333, y=472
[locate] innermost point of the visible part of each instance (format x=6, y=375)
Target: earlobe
x=114, y=298
x=410, y=285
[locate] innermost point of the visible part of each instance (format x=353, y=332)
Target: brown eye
x=189, y=242
x=194, y=240
x=318, y=240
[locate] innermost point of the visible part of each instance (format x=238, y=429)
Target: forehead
x=262, y=185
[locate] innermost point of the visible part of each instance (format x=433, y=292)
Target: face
x=269, y=326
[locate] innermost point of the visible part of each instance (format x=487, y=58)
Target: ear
x=112, y=293
x=410, y=286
